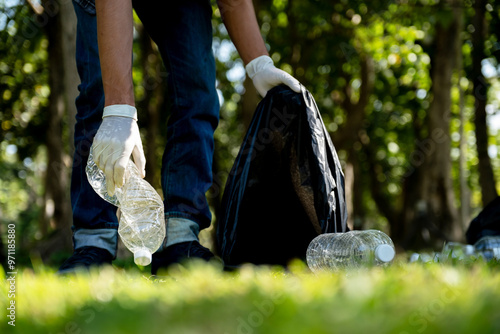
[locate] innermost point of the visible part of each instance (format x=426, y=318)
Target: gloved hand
x=118, y=137
x=265, y=75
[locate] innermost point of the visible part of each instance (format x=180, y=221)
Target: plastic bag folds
x=286, y=185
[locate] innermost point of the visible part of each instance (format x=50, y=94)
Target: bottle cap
x=469, y=250
x=142, y=257
x=384, y=253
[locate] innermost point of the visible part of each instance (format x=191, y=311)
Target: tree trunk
x=350, y=133
x=68, y=29
x=357, y=213
x=151, y=105
x=462, y=166
x=56, y=215
x=56, y=180
x=433, y=216
x=486, y=176
x=464, y=188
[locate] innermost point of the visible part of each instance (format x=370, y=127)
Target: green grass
x=403, y=298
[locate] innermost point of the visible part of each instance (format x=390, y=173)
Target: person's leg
x=183, y=34
x=94, y=220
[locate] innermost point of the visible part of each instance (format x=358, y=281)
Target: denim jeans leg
x=94, y=220
x=183, y=34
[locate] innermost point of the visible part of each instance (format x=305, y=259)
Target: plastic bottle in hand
x=142, y=221
x=333, y=251
x=98, y=181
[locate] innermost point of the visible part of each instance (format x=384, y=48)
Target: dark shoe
x=179, y=253
x=85, y=257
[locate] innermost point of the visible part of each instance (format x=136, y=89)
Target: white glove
x=265, y=75
x=118, y=137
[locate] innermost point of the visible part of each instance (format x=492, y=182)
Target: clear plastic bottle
x=142, y=222
x=354, y=249
x=457, y=250
x=488, y=247
x=425, y=257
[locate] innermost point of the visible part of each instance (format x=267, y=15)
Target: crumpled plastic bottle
x=142, y=221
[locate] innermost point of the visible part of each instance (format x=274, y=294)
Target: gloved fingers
x=140, y=159
x=272, y=77
x=119, y=158
x=115, y=167
x=109, y=173
x=119, y=170
x=266, y=76
x=98, y=150
x=290, y=81
x=262, y=90
x=101, y=146
x=113, y=145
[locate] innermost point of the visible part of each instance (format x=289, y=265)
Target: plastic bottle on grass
x=354, y=249
x=488, y=247
x=458, y=251
x=142, y=222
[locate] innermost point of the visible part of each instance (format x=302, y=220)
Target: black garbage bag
x=487, y=223
x=286, y=185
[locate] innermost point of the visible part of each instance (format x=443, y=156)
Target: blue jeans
x=184, y=37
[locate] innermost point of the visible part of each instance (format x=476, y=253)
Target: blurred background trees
x=409, y=90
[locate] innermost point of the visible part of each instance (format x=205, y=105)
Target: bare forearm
x=114, y=31
x=240, y=21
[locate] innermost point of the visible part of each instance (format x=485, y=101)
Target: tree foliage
x=369, y=66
